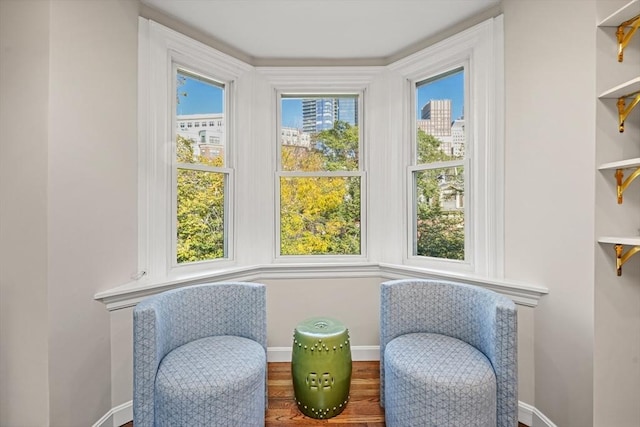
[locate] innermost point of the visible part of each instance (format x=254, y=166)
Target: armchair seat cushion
x=437, y=380
x=200, y=380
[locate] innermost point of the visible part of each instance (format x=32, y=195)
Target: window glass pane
x=200, y=191
x=320, y=134
x=439, y=222
x=439, y=214
x=200, y=100
x=320, y=215
x=200, y=215
x=440, y=118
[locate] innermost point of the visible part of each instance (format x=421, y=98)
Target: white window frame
x=224, y=170
x=466, y=162
x=318, y=81
x=361, y=173
x=161, y=52
x=480, y=51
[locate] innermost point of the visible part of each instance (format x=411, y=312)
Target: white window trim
x=159, y=49
x=480, y=50
x=319, y=81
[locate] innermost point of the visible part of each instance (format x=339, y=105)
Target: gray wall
x=69, y=83
x=550, y=169
x=24, y=332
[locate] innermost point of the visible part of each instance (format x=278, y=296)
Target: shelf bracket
x=621, y=257
x=622, y=185
x=624, y=110
x=623, y=39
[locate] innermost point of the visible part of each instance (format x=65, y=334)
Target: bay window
x=243, y=166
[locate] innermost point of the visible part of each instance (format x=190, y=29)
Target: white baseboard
x=358, y=353
x=525, y=413
x=541, y=419
x=531, y=416
x=117, y=416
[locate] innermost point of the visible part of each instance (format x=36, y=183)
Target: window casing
x=479, y=52
x=163, y=54
x=320, y=82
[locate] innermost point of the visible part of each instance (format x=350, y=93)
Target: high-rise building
x=319, y=114
x=436, y=117
x=458, y=138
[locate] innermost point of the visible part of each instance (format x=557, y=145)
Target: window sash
x=319, y=94
x=413, y=199
x=226, y=179
x=431, y=75
x=282, y=174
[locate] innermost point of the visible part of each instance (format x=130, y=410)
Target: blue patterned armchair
x=448, y=355
x=199, y=357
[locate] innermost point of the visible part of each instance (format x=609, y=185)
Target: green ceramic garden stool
x=321, y=367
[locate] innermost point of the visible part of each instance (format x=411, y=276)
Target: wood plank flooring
x=363, y=409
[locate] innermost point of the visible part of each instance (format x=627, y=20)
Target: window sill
x=130, y=294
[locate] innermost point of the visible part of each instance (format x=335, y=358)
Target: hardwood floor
x=363, y=409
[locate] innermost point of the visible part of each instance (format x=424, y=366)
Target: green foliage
x=428, y=150
x=200, y=208
x=319, y=214
x=339, y=146
x=439, y=232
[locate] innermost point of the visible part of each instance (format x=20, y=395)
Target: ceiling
x=321, y=29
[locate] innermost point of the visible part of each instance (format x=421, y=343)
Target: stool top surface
x=321, y=326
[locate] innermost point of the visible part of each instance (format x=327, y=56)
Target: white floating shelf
x=624, y=89
x=628, y=11
x=623, y=164
x=631, y=240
